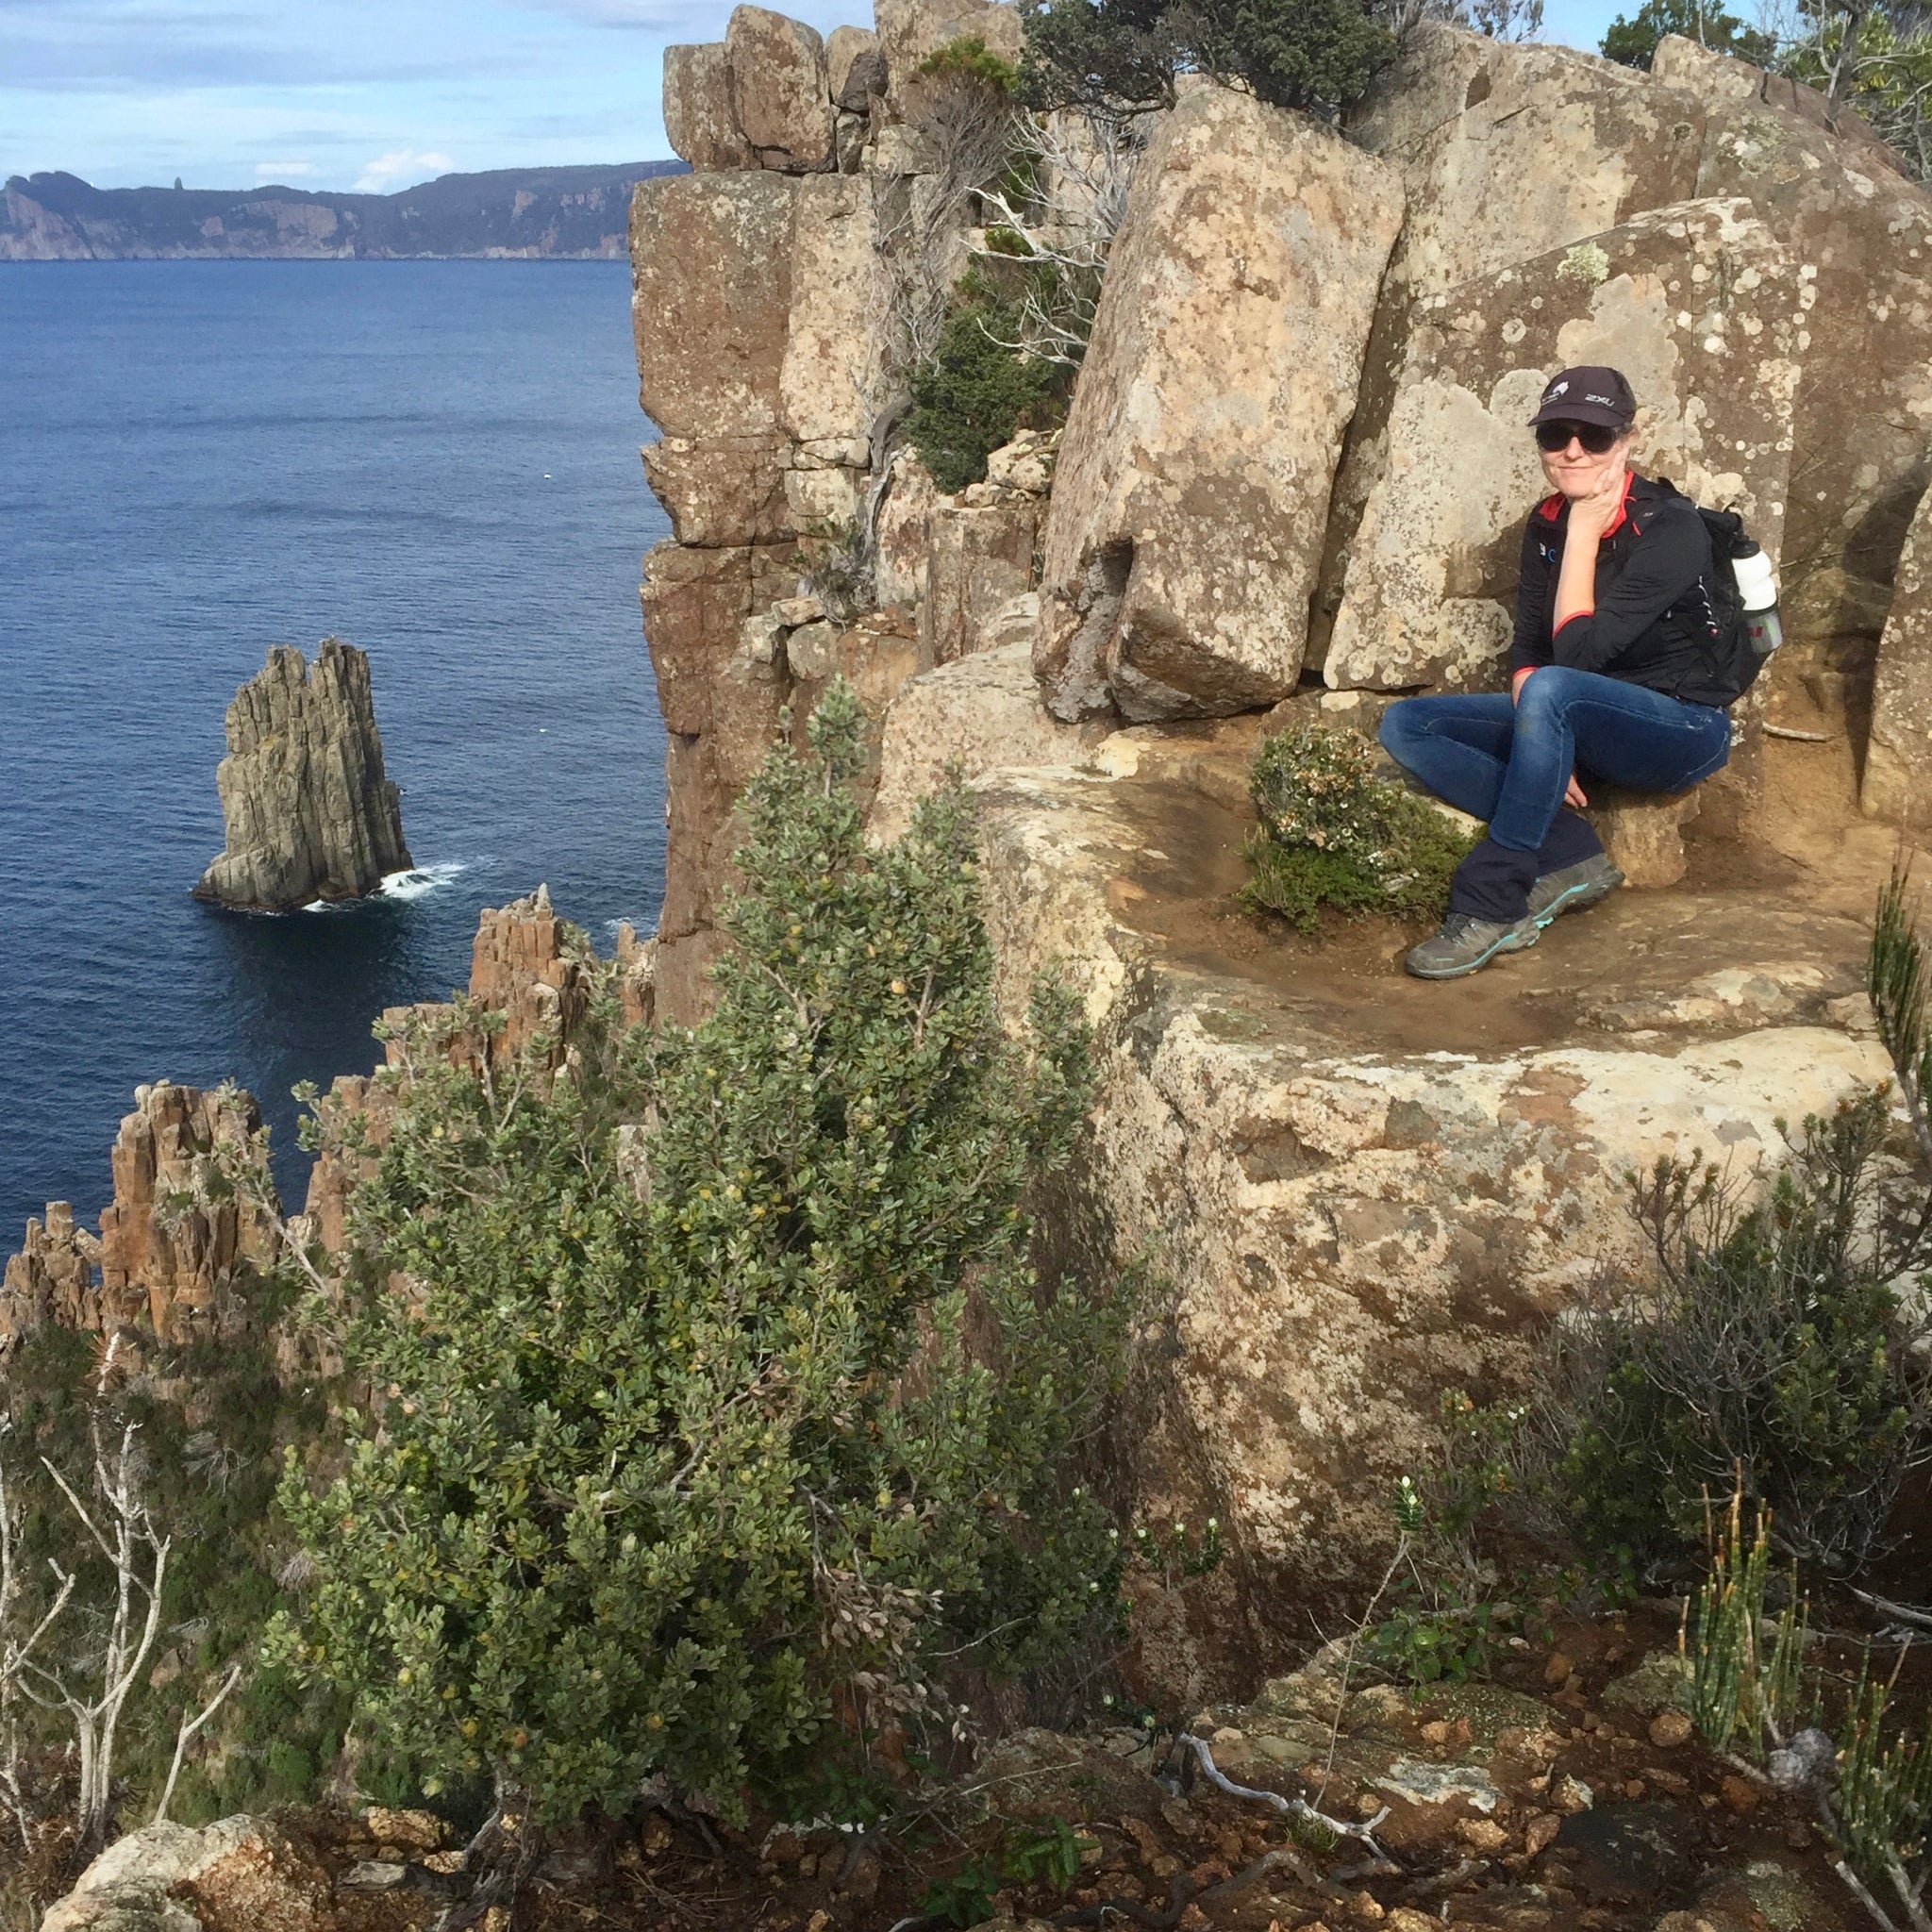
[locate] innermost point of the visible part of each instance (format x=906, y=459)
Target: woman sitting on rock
x=1620, y=669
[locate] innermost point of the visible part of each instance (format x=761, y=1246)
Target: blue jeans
x=1509, y=764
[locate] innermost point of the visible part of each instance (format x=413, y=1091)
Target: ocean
x=437, y=461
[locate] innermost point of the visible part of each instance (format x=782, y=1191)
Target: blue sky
x=350, y=93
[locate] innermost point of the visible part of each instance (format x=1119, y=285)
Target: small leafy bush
x=977, y=390
x=970, y=60
x=1767, y=1340
x=717, y=1414
x=1333, y=835
x=1316, y=54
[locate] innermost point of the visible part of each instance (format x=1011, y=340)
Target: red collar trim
x=1551, y=507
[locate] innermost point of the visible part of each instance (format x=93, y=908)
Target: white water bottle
x=1757, y=595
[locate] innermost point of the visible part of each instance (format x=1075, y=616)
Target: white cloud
x=401, y=169
x=283, y=170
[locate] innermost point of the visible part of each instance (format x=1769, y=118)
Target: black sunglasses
x=1594, y=437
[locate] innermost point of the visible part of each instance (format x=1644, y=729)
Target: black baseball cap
x=1587, y=395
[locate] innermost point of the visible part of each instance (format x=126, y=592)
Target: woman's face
x=1574, y=471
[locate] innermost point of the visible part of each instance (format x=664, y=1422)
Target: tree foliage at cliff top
x=714, y=1402
x=1316, y=54
x=1632, y=41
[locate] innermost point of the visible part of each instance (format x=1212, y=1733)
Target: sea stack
x=307, y=809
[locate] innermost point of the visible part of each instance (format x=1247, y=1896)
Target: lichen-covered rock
x=710, y=298
x=823, y=376
x=698, y=119
x=241, y=1875
x=1898, y=760
x=307, y=810
x=900, y=533
x=1506, y=149
x=722, y=491
x=1699, y=305
x=1362, y=1195
x=1862, y=420
x=978, y=559
x=979, y=714
x=1192, y=484
x=780, y=88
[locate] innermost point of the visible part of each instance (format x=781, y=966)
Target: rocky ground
x=1569, y=1792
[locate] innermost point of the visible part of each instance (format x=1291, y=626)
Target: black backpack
x=1731, y=644
x=1712, y=612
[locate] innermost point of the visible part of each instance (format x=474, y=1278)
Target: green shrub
x=1333, y=835
x=680, y=1459
x=970, y=60
x=1632, y=41
x=976, y=392
x=1317, y=54
x=1766, y=1347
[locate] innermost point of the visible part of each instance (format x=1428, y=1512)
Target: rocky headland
x=308, y=809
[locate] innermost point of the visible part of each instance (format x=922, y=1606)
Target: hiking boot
x=1573, y=888
x=1467, y=943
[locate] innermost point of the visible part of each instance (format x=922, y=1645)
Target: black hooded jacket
x=1657, y=622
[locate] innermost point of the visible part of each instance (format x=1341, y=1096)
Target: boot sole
x=1509, y=943
x=1577, y=899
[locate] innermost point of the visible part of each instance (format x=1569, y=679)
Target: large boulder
x=978, y=558
x=239, y=1875
x=1898, y=757
x=698, y=119
x=979, y=715
x=1862, y=422
x=780, y=88
x=1506, y=149
x=710, y=300
x=1703, y=310
x=1194, y=479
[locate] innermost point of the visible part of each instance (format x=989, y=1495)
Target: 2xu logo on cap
x=1607, y=402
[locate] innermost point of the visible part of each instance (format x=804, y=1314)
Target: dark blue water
x=434, y=460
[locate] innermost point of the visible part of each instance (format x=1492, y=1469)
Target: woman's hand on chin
x=1595, y=511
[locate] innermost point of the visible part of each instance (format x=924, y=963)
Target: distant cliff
x=526, y=212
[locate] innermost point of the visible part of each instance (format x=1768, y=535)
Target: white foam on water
x=424, y=878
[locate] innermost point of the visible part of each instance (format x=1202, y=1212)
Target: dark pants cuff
x=1494, y=881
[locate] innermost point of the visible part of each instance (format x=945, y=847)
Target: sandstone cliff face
x=308, y=812
x=764, y=285
x=179, y=1251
